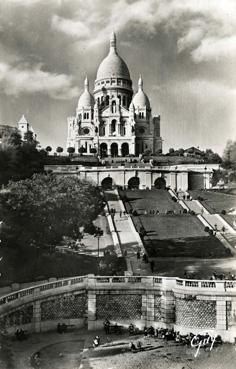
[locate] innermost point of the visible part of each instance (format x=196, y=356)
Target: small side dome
x=140, y=99
x=86, y=99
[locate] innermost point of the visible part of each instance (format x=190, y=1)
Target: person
x=139, y=346
x=106, y=325
x=59, y=328
x=132, y=347
x=96, y=342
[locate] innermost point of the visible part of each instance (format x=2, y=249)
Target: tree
x=59, y=150
x=171, y=151
x=29, y=137
x=19, y=160
x=38, y=212
x=11, y=139
x=93, y=150
x=70, y=150
x=81, y=150
x=48, y=149
x=229, y=155
x=147, y=152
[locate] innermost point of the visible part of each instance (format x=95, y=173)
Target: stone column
x=168, y=307
x=220, y=316
x=91, y=302
x=91, y=310
x=148, y=308
x=37, y=316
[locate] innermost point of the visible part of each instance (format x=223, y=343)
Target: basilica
x=114, y=121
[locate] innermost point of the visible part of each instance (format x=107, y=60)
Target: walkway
x=225, y=233
x=129, y=239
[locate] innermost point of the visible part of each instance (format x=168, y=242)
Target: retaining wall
x=195, y=306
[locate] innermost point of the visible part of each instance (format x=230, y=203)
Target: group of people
x=171, y=335
x=61, y=328
x=21, y=335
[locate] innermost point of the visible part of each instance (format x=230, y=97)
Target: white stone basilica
x=114, y=121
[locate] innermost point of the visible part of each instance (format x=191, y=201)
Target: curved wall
x=186, y=305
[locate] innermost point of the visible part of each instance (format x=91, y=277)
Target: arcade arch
x=107, y=183
x=133, y=183
x=160, y=183
x=103, y=149
x=114, y=149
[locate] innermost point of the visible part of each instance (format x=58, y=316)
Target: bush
x=192, y=212
x=185, y=211
x=223, y=212
x=200, y=198
x=206, y=229
x=174, y=199
x=135, y=213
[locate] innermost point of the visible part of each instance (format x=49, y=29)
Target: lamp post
x=205, y=169
x=98, y=234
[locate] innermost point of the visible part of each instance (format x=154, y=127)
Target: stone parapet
x=187, y=305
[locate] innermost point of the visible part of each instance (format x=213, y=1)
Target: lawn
x=28, y=266
x=193, y=247
x=151, y=200
x=171, y=226
x=170, y=235
x=214, y=201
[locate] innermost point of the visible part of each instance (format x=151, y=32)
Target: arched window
x=113, y=126
x=98, y=100
x=119, y=97
x=107, y=100
x=84, y=115
x=102, y=129
x=124, y=100
x=140, y=115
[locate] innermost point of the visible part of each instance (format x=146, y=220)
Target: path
x=129, y=239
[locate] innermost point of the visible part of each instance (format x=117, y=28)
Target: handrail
x=171, y=283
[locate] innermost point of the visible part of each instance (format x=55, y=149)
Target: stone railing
x=184, y=304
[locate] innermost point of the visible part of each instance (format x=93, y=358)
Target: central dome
x=113, y=65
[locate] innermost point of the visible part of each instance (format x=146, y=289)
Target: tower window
x=124, y=100
x=113, y=126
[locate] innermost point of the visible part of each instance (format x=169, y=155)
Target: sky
x=184, y=49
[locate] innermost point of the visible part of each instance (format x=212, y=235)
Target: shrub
x=174, y=199
x=223, y=212
x=206, y=229
x=185, y=211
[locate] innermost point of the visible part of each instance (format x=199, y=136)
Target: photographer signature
x=198, y=343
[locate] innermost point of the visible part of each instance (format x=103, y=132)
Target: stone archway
x=103, y=149
x=107, y=183
x=114, y=149
x=133, y=183
x=160, y=183
x=125, y=149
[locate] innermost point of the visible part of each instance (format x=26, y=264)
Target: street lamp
x=98, y=233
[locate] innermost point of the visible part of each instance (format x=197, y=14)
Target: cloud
x=70, y=27
x=198, y=24
x=15, y=81
x=215, y=49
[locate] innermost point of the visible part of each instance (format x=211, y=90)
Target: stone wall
x=185, y=305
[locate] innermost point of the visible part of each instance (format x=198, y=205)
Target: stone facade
x=114, y=121
x=185, y=305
